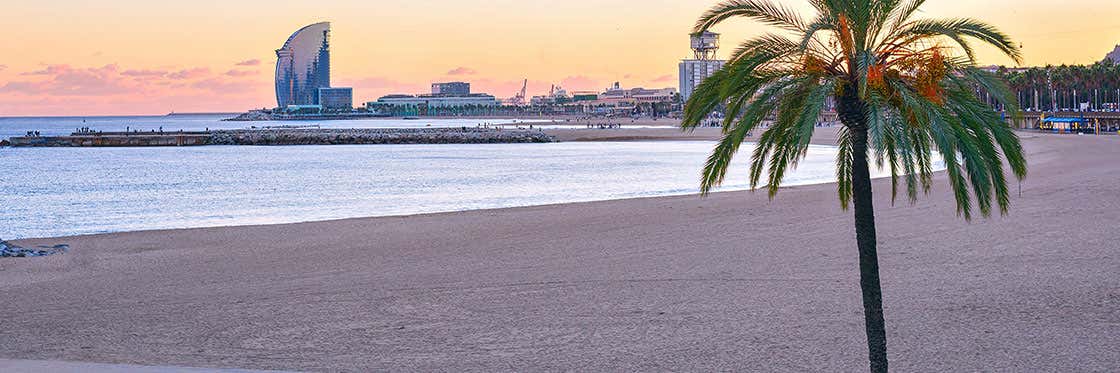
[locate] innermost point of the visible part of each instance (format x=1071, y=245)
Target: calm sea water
x=67, y=191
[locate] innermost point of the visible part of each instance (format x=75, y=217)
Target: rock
x=8, y=250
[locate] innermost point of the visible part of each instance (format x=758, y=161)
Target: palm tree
x=904, y=88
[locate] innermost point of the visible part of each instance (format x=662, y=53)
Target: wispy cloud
x=462, y=70
x=63, y=80
x=49, y=70
x=240, y=73
x=144, y=73
x=193, y=73
x=252, y=62
x=3, y=67
x=663, y=79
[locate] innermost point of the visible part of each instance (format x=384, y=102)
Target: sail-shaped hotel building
x=303, y=66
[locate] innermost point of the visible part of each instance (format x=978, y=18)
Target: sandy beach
x=731, y=282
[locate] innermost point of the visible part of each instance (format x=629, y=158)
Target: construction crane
x=519, y=99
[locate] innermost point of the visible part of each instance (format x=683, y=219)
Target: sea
x=52, y=192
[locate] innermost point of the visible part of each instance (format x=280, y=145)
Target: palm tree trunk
x=868, y=256
x=853, y=113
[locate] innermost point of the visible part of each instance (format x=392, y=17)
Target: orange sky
x=76, y=57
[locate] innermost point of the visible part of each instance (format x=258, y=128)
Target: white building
x=434, y=101
x=617, y=95
x=693, y=72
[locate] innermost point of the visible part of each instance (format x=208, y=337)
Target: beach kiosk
x=1064, y=125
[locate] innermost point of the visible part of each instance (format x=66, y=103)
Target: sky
x=118, y=57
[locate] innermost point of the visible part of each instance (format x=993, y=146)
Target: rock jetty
x=8, y=250
x=460, y=135
x=291, y=136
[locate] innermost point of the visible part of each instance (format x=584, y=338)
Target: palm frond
x=759, y=10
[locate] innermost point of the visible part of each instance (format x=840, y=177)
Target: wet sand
x=729, y=282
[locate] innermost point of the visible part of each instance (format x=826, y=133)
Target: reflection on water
x=67, y=191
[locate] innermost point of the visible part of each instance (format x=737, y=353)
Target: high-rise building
x=703, y=63
x=451, y=89
x=303, y=65
x=338, y=98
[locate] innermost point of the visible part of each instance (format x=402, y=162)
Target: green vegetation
x=904, y=88
x=1065, y=86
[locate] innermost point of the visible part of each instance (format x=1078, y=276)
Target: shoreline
x=733, y=281
x=827, y=138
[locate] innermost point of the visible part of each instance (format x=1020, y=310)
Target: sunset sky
x=77, y=57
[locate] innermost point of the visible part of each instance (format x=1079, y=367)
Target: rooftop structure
x=303, y=65
x=705, y=45
x=451, y=89
x=693, y=71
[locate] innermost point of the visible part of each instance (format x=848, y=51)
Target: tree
x=904, y=88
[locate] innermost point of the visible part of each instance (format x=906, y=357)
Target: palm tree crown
x=910, y=84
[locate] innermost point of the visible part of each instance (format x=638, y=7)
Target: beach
x=733, y=281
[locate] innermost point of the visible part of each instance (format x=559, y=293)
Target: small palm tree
x=903, y=88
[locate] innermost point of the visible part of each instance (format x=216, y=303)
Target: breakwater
x=462, y=135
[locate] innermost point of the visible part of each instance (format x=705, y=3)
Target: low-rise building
x=336, y=98
x=617, y=95
x=434, y=101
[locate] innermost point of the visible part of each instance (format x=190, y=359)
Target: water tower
x=705, y=45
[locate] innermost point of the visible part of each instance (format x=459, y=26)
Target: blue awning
x=1065, y=120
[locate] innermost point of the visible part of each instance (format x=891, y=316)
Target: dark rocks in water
x=8, y=250
x=332, y=136
x=5, y=143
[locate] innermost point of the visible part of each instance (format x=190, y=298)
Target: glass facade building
x=451, y=89
x=303, y=66
x=336, y=98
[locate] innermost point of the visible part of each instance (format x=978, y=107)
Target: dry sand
x=729, y=282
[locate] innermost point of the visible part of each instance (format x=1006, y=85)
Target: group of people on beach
x=32, y=133
x=499, y=127
x=604, y=125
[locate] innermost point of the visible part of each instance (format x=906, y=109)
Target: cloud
x=63, y=80
x=49, y=70
x=3, y=67
x=144, y=73
x=192, y=73
x=461, y=70
x=663, y=79
x=240, y=73
x=223, y=86
x=61, y=89
x=252, y=62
